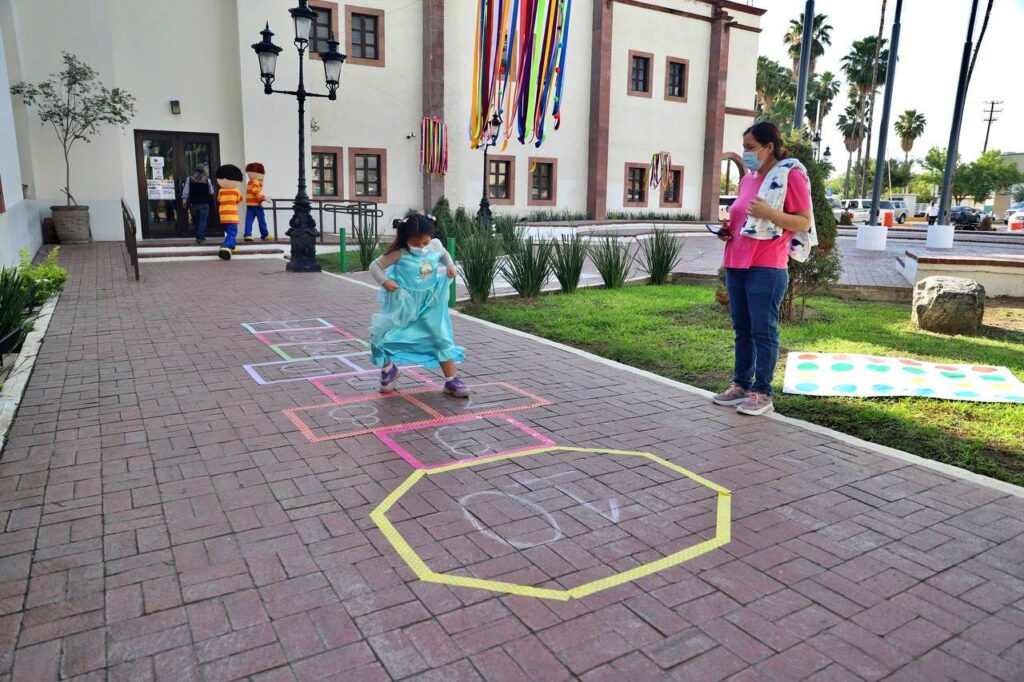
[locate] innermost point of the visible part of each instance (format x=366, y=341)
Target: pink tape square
x=385, y=435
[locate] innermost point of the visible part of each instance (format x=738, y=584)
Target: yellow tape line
x=423, y=572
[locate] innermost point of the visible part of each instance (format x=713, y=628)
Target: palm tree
x=865, y=74
x=773, y=80
x=909, y=126
x=822, y=89
x=821, y=35
x=849, y=126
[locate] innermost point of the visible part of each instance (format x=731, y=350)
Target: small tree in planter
x=76, y=105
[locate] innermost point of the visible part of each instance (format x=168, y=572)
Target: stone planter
x=72, y=224
x=940, y=237
x=871, y=237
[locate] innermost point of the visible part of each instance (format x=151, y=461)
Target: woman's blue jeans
x=755, y=296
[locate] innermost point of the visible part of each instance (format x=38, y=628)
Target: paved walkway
x=169, y=513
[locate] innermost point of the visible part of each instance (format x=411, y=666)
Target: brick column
x=600, y=110
x=433, y=85
x=714, y=118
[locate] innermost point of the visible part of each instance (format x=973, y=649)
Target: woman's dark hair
x=229, y=172
x=410, y=226
x=766, y=132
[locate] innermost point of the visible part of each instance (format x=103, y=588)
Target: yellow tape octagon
x=423, y=572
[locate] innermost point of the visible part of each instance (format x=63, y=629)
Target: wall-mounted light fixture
x=175, y=107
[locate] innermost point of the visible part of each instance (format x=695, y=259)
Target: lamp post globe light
x=828, y=154
x=302, y=227
x=491, y=139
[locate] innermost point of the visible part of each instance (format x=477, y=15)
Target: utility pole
x=883, y=133
x=992, y=111
x=958, y=117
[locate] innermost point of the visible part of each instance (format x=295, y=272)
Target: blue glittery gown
x=413, y=325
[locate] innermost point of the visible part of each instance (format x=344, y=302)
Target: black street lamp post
x=491, y=139
x=302, y=227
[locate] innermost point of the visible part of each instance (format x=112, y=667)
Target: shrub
x=15, y=300
x=652, y=216
x=545, y=216
x=824, y=266
x=528, y=266
x=464, y=225
x=367, y=237
x=659, y=255
x=478, y=264
x=569, y=255
x=49, y=277
x=443, y=212
x=845, y=218
x=506, y=227
x=612, y=261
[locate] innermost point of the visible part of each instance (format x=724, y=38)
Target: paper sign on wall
x=156, y=162
x=157, y=189
x=868, y=376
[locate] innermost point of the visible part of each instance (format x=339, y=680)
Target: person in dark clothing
x=198, y=195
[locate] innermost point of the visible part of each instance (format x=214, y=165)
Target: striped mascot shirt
x=227, y=204
x=254, y=193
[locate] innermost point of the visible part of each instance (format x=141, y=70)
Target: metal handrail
x=130, y=242
x=363, y=213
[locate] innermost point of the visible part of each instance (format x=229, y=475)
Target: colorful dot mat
x=869, y=376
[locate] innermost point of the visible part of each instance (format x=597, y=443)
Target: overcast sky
x=931, y=45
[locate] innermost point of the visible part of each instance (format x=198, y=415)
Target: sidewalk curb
x=947, y=469
x=14, y=387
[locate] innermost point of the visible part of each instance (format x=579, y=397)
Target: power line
x=992, y=111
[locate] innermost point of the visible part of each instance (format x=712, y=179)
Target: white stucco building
x=642, y=77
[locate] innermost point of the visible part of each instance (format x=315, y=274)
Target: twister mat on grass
x=869, y=376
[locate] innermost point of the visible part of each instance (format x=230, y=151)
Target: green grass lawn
x=331, y=262
x=682, y=333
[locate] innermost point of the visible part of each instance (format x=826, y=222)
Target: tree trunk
x=874, y=86
x=849, y=165
x=67, y=177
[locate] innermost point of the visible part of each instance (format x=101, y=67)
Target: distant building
x=1002, y=200
x=642, y=77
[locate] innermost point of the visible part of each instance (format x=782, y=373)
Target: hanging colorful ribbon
x=525, y=43
x=660, y=170
x=433, y=147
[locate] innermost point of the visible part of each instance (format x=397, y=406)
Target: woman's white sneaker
x=734, y=395
x=756, y=404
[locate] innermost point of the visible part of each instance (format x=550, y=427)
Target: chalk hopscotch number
x=613, y=504
x=611, y=515
x=359, y=416
x=457, y=448
x=556, y=531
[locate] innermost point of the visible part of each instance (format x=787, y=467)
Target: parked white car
x=858, y=212
x=900, y=209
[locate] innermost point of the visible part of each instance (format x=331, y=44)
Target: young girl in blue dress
x=413, y=325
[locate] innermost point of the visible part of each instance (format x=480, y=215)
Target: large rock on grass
x=948, y=305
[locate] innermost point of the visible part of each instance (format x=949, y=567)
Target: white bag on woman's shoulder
x=773, y=190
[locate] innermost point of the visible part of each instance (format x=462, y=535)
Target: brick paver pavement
x=164, y=517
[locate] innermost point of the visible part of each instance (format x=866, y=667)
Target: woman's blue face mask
x=750, y=160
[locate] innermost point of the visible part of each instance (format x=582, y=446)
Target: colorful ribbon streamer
x=433, y=146
x=536, y=34
x=660, y=170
